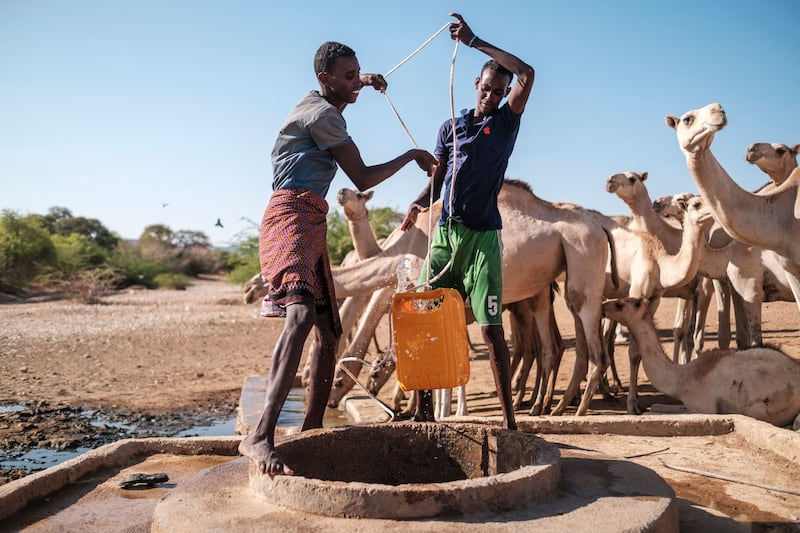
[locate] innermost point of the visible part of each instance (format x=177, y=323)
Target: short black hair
x=328, y=53
x=497, y=67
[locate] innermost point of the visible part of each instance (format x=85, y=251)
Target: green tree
x=127, y=261
x=156, y=244
x=384, y=220
x=243, y=262
x=77, y=252
x=25, y=250
x=60, y=221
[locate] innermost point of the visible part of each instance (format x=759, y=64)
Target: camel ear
x=368, y=195
x=682, y=202
x=672, y=121
x=796, y=149
x=643, y=176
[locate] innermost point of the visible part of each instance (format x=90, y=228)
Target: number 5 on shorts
x=491, y=305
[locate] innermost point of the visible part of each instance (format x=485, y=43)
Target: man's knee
x=300, y=315
x=493, y=332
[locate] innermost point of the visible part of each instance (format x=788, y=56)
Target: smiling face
x=492, y=87
x=341, y=82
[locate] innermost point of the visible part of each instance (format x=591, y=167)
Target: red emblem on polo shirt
x=486, y=130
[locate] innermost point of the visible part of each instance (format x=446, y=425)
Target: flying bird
x=219, y=223
x=164, y=204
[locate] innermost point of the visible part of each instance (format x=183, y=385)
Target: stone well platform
x=603, y=485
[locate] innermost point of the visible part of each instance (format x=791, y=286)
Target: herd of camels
x=727, y=243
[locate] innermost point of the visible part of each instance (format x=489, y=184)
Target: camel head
x=627, y=310
x=668, y=206
x=774, y=159
x=696, y=128
x=255, y=289
x=354, y=203
x=696, y=212
x=626, y=185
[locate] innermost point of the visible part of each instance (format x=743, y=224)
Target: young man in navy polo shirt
x=485, y=138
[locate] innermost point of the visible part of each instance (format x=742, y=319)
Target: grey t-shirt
x=300, y=157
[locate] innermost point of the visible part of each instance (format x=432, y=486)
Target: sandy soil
x=156, y=362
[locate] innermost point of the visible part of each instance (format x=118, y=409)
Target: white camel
x=688, y=328
x=759, y=382
x=770, y=220
x=753, y=274
x=646, y=270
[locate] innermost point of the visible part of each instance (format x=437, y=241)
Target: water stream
x=41, y=458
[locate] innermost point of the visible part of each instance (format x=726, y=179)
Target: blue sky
x=113, y=109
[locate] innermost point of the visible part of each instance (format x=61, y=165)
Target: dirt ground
x=156, y=362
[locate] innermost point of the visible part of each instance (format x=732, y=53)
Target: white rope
x=428, y=279
x=390, y=353
x=423, y=45
x=401, y=121
x=452, y=180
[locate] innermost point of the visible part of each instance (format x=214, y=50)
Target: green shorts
x=476, y=272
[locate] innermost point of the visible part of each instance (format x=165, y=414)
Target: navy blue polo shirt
x=483, y=150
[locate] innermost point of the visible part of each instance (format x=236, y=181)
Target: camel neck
x=663, y=374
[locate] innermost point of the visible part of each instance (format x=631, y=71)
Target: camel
x=647, y=270
x=690, y=316
x=755, y=275
x=762, y=383
x=774, y=159
x=770, y=220
x=667, y=207
x=354, y=205
x=540, y=241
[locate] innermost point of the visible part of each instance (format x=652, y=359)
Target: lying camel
x=763, y=383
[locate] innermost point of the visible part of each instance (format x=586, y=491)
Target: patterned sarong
x=294, y=254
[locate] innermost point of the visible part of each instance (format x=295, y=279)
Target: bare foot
x=264, y=456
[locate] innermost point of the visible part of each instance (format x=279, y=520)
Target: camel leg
x=635, y=358
x=397, y=398
x=578, y=371
x=595, y=356
x=548, y=350
x=377, y=307
x=610, y=331
x=679, y=331
x=524, y=334
x=703, y=295
x=461, y=406
x=411, y=406
x=552, y=349
x=443, y=400
x=722, y=292
x=793, y=278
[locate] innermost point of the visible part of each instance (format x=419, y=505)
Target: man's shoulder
x=313, y=106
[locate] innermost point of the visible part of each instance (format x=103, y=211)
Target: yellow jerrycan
x=430, y=339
